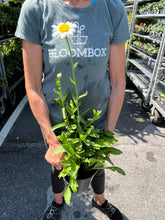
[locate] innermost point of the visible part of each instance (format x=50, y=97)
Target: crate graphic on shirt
x=79, y=38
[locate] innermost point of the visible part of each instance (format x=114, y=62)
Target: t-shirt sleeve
x=28, y=27
x=120, y=26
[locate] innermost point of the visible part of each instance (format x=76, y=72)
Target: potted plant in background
x=161, y=97
x=162, y=73
x=85, y=146
x=8, y=20
x=151, y=49
x=141, y=28
x=156, y=30
x=138, y=45
x=12, y=58
x=153, y=8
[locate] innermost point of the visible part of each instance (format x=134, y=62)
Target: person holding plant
x=96, y=32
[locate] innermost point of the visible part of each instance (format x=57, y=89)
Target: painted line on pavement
x=6, y=128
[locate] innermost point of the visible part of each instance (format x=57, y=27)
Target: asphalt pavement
x=25, y=186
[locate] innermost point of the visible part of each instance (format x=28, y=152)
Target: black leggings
x=98, y=181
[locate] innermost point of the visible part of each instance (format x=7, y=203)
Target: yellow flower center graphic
x=64, y=28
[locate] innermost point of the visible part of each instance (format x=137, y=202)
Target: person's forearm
x=41, y=113
x=33, y=68
x=117, y=82
x=115, y=105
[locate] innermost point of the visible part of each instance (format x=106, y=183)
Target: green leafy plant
x=85, y=146
x=162, y=94
x=141, y=27
x=2, y=82
x=137, y=43
x=129, y=16
x=8, y=18
x=151, y=8
x=149, y=46
x=12, y=58
x=156, y=29
x=18, y=1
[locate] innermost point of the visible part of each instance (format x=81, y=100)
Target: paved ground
x=25, y=187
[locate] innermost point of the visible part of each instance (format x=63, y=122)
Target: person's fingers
x=57, y=163
x=58, y=167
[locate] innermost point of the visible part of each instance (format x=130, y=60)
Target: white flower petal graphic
x=63, y=30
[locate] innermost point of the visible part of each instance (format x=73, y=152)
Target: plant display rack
x=11, y=74
x=7, y=91
x=145, y=61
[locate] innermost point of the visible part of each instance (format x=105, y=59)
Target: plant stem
x=63, y=106
x=74, y=78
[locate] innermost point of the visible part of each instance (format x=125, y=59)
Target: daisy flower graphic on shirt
x=63, y=30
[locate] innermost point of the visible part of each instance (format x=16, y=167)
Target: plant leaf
x=121, y=171
x=85, y=112
x=75, y=140
x=66, y=163
x=73, y=184
x=101, y=153
x=69, y=110
x=89, y=130
x=82, y=120
x=60, y=149
x=64, y=113
x=109, y=133
x=109, y=160
x=75, y=64
x=93, y=134
x=67, y=195
x=114, y=151
x=66, y=95
x=73, y=96
x=65, y=171
x=69, y=149
x=59, y=101
x=74, y=170
x=83, y=95
x=72, y=81
x=57, y=92
x=118, y=169
x=57, y=126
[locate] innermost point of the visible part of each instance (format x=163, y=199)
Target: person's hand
x=54, y=160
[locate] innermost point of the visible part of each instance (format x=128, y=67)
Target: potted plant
x=85, y=146
x=4, y=18
x=11, y=53
x=128, y=2
x=2, y=82
x=142, y=9
x=161, y=5
x=162, y=96
x=138, y=45
x=162, y=74
x=8, y=20
x=17, y=3
x=141, y=28
x=152, y=8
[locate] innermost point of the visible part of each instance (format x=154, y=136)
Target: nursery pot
x=84, y=179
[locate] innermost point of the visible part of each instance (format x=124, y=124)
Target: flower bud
x=59, y=75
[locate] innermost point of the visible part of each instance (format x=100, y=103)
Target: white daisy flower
x=63, y=29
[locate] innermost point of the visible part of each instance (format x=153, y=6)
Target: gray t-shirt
x=98, y=26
